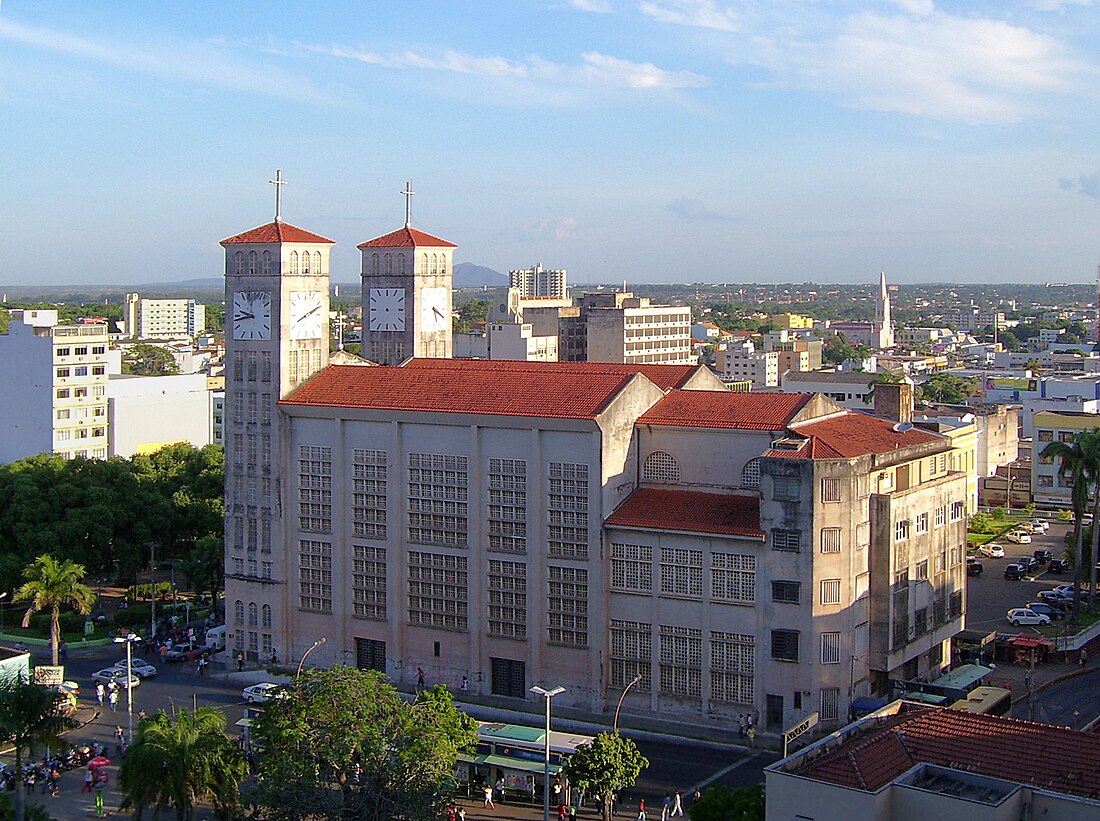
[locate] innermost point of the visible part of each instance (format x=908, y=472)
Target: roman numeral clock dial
x=386, y=309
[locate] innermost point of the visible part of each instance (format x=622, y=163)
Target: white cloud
x=1058, y=5
x=937, y=65
x=200, y=63
x=699, y=13
x=595, y=69
x=596, y=6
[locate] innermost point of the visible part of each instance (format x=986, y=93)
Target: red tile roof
x=725, y=409
x=1023, y=752
x=664, y=377
x=690, y=511
x=406, y=238
x=277, y=232
x=857, y=434
x=468, y=386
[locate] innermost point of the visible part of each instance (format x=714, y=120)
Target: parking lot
x=990, y=595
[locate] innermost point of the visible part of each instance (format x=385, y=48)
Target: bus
x=994, y=701
x=515, y=756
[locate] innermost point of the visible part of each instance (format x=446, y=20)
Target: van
x=215, y=638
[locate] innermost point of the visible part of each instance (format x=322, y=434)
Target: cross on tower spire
x=278, y=182
x=408, y=192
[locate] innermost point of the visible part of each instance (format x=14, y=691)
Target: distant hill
x=468, y=275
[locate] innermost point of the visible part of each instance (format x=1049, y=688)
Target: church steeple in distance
x=882, y=309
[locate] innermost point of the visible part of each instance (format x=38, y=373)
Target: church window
x=660, y=467
x=317, y=262
x=265, y=264
x=238, y=612
x=305, y=262
x=567, y=514
x=507, y=505
x=368, y=582
x=567, y=605
x=435, y=264
x=253, y=614
x=266, y=614
x=315, y=576
x=424, y=264
x=389, y=263
x=315, y=489
x=438, y=590
x=368, y=506
x=251, y=262
x=293, y=262
x=374, y=263
x=238, y=262
x=400, y=263
x=438, y=509
x=507, y=599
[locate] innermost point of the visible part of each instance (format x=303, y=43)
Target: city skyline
x=652, y=141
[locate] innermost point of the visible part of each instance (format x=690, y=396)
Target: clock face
x=252, y=315
x=306, y=314
x=387, y=309
x=435, y=313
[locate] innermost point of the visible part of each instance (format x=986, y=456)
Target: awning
x=506, y=763
x=1029, y=641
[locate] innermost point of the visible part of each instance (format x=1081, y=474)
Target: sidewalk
x=1015, y=676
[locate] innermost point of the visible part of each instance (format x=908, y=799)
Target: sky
x=638, y=140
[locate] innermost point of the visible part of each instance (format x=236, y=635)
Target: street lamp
x=312, y=647
x=129, y=642
x=548, y=695
x=619, y=706
x=2, y=595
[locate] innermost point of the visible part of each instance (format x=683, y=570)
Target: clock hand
x=437, y=312
x=241, y=316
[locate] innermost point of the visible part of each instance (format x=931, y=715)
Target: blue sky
x=647, y=140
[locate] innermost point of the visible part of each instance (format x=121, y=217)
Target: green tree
x=182, y=763
x=470, y=315
x=143, y=359
x=948, y=388
x=51, y=585
x=1089, y=442
x=342, y=744
x=1073, y=464
x=30, y=717
x=729, y=804
x=609, y=763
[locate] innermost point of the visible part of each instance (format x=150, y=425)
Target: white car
x=1039, y=526
x=1018, y=536
x=1022, y=615
x=259, y=693
x=992, y=550
x=117, y=676
x=139, y=667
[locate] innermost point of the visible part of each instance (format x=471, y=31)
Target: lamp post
x=548, y=695
x=312, y=647
x=2, y=596
x=129, y=642
x=619, y=706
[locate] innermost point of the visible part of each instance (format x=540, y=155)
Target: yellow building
x=962, y=431
x=792, y=321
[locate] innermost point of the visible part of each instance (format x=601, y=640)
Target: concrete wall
x=146, y=412
x=26, y=404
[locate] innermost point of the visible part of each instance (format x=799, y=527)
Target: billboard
x=1011, y=383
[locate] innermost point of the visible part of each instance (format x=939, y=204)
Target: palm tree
x=29, y=717
x=1073, y=462
x=51, y=585
x=182, y=763
x=1089, y=442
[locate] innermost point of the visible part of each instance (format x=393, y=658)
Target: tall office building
x=539, y=282
x=162, y=318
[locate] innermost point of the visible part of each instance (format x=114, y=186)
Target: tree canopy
x=51, y=585
x=729, y=804
x=342, y=743
x=948, y=388
x=609, y=763
x=143, y=359
x=30, y=718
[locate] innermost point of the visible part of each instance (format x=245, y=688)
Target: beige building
x=162, y=318
x=1048, y=487
x=741, y=362
x=620, y=327
x=911, y=762
x=539, y=282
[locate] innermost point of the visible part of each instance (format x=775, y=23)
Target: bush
x=129, y=617
x=144, y=592
x=981, y=523
x=69, y=622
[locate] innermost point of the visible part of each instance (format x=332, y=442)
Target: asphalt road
x=1071, y=702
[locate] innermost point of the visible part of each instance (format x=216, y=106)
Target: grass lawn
x=997, y=526
x=102, y=631
x=1063, y=628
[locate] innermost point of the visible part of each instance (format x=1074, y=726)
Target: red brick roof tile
x=467, y=386
x=725, y=409
x=664, y=377
x=277, y=232
x=689, y=511
x=857, y=434
x=1023, y=752
x=406, y=237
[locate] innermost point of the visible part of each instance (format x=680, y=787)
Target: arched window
x=253, y=614
x=660, y=467
x=424, y=264
x=305, y=262
x=238, y=262
x=252, y=262
x=293, y=262
x=317, y=262
x=389, y=263
x=750, y=474
x=400, y=263
x=435, y=264
x=374, y=263
x=238, y=612
x=265, y=264
x=267, y=615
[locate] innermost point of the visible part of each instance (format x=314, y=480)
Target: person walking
x=488, y=790
x=240, y=661
x=100, y=692
x=100, y=788
x=461, y=814
x=120, y=737
x=89, y=777
x=677, y=805
x=419, y=678
x=1082, y=657
x=666, y=806
x=113, y=699
x=641, y=809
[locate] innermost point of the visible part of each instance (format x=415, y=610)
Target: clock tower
x=406, y=294
x=276, y=337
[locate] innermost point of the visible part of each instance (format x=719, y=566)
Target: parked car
x=992, y=550
x=1014, y=571
x=259, y=693
x=973, y=566
x=140, y=667
x=184, y=652
x=1058, y=566
x=1039, y=525
x=1055, y=613
x=1018, y=537
x=1043, y=556
x=117, y=676
x=1029, y=563
x=1021, y=615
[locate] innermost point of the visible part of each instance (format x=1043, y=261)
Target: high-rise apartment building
x=162, y=318
x=539, y=282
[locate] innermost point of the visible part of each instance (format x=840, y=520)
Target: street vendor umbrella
x=98, y=761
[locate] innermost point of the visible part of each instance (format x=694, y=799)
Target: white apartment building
x=741, y=362
x=623, y=328
x=848, y=389
x=162, y=318
x=539, y=282
x=55, y=382
x=513, y=340
x=146, y=413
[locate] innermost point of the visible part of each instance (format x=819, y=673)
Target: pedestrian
x=752, y=736
x=113, y=699
x=63, y=651
x=750, y=722
x=562, y=812
x=450, y=814
x=488, y=790
x=666, y=806
x=120, y=737
x=419, y=678
x=742, y=725
x=531, y=787
x=461, y=814
x=89, y=777
x=142, y=715
x=677, y=805
x=695, y=796
x=1083, y=657
x=100, y=788
x=465, y=684
x=274, y=656
x=100, y=693
x=641, y=809
x=240, y=661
